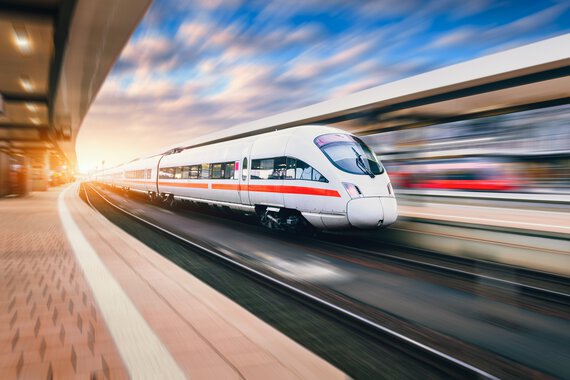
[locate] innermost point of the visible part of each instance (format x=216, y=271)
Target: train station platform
x=80, y=298
x=522, y=218
x=520, y=234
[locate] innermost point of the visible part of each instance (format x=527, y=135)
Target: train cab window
x=244, y=170
x=205, y=171
x=349, y=153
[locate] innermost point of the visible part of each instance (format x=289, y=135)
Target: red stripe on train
x=226, y=186
x=185, y=184
x=278, y=189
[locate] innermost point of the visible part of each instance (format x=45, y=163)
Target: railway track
x=371, y=331
x=531, y=284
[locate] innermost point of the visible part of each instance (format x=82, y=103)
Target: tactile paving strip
x=50, y=326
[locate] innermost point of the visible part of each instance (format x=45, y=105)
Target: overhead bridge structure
x=54, y=57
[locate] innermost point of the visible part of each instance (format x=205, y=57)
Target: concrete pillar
x=14, y=175
x=25, y=177
x=4, y=174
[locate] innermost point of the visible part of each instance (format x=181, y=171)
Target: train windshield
x=349, y=153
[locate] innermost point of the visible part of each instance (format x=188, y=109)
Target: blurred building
x=529, y=150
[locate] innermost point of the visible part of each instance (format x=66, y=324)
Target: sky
x=196, y=67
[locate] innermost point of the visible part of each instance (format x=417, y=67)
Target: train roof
x=217, y=137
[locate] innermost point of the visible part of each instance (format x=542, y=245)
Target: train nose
x=372, y=212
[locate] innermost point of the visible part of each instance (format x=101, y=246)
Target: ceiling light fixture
x=26, y=83
x=35, y=120
x=31, y=107
x=22, y=39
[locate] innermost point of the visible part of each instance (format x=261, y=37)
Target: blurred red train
x=455, y=174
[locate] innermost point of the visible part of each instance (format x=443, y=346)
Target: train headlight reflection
x=352, y=190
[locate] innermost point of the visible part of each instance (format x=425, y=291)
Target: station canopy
x=55, y=55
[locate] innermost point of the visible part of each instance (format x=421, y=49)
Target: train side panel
x=204, y=187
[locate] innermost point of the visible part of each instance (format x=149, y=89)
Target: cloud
x=194, y=67
x=522, y=26
x=454, y=38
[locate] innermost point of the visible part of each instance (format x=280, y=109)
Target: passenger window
x=291, y=163
x=318, y=176
x=255, y=169
x=287, y=168
x=279, y=168
x=300, y=170
x=228, y=170
x=303, y=171
x=178, y=172
x=262, y=169
x=185, y=172
x=205, y=171
x=165, y=173
x=194, y=172
x=216, y=171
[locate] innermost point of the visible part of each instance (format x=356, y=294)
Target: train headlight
x=352, y=190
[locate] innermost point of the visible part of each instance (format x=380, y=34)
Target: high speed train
x=318, y=175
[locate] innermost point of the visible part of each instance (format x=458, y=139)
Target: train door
x=267, y=169
x=243, y=176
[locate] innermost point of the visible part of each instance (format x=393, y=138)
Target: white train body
x=324, y=174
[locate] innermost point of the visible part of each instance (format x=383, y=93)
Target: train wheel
x=170, y=202
x=268, y=219
x=264, y=220
x=284, y=220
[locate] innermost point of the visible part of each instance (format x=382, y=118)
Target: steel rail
x=535, y=291
x=459, y=364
